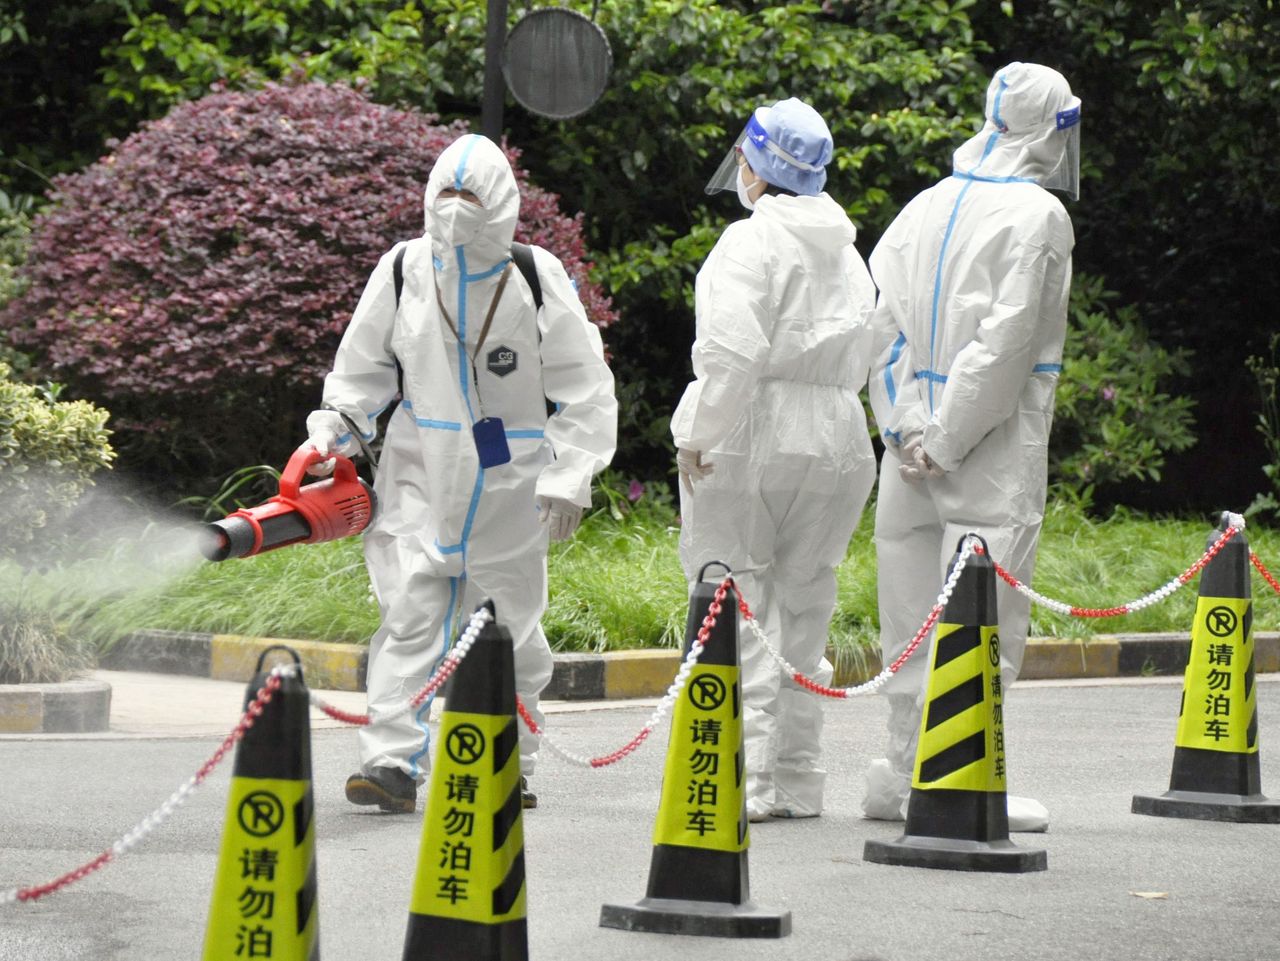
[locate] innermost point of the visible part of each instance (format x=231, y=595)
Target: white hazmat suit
x=449, y=533
x=974, y=277
x=780, y=356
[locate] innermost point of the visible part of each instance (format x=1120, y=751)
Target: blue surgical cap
x=789, y=146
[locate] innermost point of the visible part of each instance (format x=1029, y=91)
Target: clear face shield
x=726, y=175
x=769, y=160
x=1065, y=177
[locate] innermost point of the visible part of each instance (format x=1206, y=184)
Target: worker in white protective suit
x=773, y=449
x=474, y=476
x=974, y=276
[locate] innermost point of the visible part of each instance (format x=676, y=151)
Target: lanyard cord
x=484, y=331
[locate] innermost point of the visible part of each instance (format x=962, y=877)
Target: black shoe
x=527, y=798
x=388, y=787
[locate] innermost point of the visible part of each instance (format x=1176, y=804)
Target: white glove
x=907, y=454
x=692, y=467
x=328, y=433
x=561, y=517
x=916, y=464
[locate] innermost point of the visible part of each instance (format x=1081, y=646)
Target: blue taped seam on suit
x=894, y=353
x=937, y=282
x=423, y=714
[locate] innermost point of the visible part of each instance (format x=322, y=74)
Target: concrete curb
x=231, y=657
x=69, y=707
x=642, y=673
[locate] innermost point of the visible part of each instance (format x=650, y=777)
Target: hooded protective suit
x=974, y=277
x=448, y=533
x=780, y=356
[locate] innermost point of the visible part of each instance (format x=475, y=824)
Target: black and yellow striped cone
x=469, y=893
x=698, y=882
x=957, y=816
x=1215, y=755
x=264, y=891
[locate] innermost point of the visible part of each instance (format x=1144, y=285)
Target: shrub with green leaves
x=15, y=234
x=49, y=451
x=1114, y=421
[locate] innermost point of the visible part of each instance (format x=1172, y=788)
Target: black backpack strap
x=397, y=272
x=397, y=275
x=522, y=254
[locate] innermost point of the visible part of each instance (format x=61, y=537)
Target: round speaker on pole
x=556, y=62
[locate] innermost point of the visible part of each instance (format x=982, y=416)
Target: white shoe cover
x=887, y=793
x=1027, y=815
x=757, y=810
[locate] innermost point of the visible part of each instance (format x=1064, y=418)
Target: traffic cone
x=957, y=815
x=1215, y=755
x=698, y=881
x=264, y=890
x=469, y=892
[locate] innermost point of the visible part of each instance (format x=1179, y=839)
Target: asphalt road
x=1118, y=885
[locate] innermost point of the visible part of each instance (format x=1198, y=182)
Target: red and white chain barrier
x=1266, y=574
x=869, y=687
x=148, y=824
x=152, y=821
x=135, y=835
x=479, y=619
x=659, y=712
x=1236, y=524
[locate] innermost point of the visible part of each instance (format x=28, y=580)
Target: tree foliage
x=1180, y=205
x=55, y=112
x=400, y=49
x=1179, y=208
x=686, y=77
x=198, y=279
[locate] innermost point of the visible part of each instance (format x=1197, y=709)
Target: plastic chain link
x=1266, y=574
x=442, y=673
x=152, y=821
x=660, y=712
x=1159, y=594
x=135, y=835
x=873, y=685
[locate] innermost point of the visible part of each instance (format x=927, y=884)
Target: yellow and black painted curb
x=957, y=815
x=618, y=675
x=469, y=892
x=698, y=875
x=1216, y=774
x=264, y=900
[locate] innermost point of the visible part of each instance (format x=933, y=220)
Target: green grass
x=618, y=585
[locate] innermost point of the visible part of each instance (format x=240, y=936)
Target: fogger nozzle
x=324, y=510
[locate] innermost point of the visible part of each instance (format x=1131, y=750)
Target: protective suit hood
x=817, y=221
x=477, y=164
x=1031, y=131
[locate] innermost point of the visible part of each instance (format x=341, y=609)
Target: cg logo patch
x=502, y=360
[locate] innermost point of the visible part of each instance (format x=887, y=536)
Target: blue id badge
x=491, y=442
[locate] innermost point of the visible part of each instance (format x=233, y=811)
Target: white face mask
x=744, y=197
x=456, y=222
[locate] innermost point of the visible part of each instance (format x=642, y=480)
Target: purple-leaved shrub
x=197, y=279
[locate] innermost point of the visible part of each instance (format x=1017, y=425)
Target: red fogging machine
x=323, y=510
